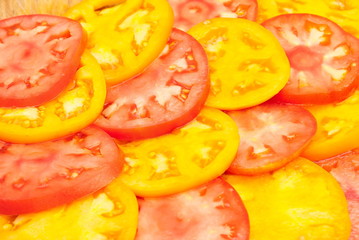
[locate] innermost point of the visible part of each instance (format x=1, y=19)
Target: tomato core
x=302, y=58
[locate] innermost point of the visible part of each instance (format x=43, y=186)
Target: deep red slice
x=271, y=135
x=213, y=211
x=324, y=59
x=35, y=177
x=191, y=12
x=39, y=56
x=170, y=93
x=345, y=168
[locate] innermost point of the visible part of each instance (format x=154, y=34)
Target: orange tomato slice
x=188, y=157
x=247, y=64
x=298, y=201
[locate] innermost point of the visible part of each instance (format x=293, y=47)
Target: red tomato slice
x=324, y=59
x=191, y=12
x=345, y=168
x=35, y=177
x=271, y=136
x=213, y=211
x=39, y=57
x=170, y=93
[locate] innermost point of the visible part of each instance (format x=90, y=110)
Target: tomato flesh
x=345, y=168
x=324, y=59
x=170, y=93
x=39, y=57
x=35, y=177
x=271, y=136
x=209, y=212
x=191, y=12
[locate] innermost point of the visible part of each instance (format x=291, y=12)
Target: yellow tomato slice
x=338, y=129
x=299, y=201
x=111, y=213
x=77, y=107
x=343, y=12
x=188, y=157
x=247, y=64
x=125, y=36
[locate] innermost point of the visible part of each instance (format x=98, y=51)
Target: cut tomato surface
x=212, y=211
x=324, y=59
x=298, y=201
x=125, y=36
x=345, y=168
x=111, y=212
x=35, y=177
x=185, y=158
x=191, y=12
x=337, y=129
x=39, y=58
x=75, y=108
x=170, y=93
x=247, y=64
x=271, y=136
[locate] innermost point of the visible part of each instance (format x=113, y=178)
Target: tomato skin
x=211, y=211
x=169, y=94
x=271, y=136
x=324, y=59
x=42, y=55
x=52, y=173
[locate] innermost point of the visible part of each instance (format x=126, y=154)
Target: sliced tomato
x=170, y=93
x=298, y=201
x=35, y=177
x=39, y=57
x=191, y=12
x=185, y=158
x=345, y=168
x=242, y=76
x=110, y=213
x=74, y=109
x=125, y=36
x=324, y=59
x=271, y=136
x=212, y=211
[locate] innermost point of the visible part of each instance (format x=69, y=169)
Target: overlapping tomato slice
x=247, y=64
x=125, y=36
x=39, y=58
x=170, y=93
x=35, y=177
x=324, y=59
x=271, y=136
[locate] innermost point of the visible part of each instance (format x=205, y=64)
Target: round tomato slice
x=75, y=108
x=170, y=93
x=35, y=177
x=110, y=213
x=338, y=129
x=125, y=36
x=191, y=12
x=247, y=64
x=343, y=12
x=297, y=201
x=212, y=211
x=345, y=168
x=39, y=58
x=185, y=158
x=324, y=59
x=271, y=136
